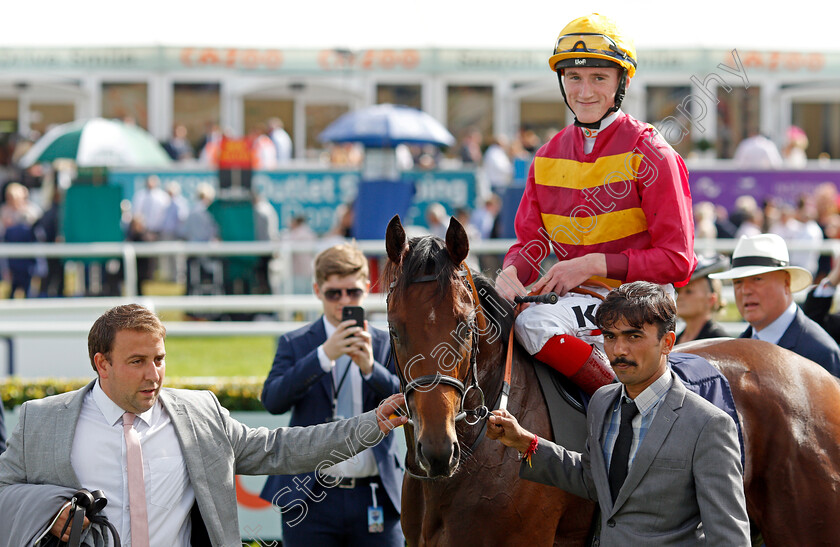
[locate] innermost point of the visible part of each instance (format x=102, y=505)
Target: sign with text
x=724, y=186
x=316, y=194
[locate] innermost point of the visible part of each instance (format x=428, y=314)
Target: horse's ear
x=395, y=241
x=457, y=242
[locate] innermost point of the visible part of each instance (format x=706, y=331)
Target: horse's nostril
x=456, y=452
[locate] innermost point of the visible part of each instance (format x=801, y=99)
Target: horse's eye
x=393, y=332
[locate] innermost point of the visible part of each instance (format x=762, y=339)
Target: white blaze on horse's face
x=433, y=343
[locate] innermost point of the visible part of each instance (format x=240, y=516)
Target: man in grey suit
x=191, y=447
x=663, y=463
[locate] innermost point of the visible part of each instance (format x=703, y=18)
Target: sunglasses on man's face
x=334, y=295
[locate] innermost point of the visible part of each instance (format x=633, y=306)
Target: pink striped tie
x=136, y=484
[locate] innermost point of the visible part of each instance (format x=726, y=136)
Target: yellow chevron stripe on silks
x=597, y=229
x=577, y=175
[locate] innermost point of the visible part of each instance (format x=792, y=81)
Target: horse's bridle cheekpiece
x=430, y=381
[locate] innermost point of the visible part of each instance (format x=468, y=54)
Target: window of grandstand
x=125, y=100
x=195, y=106
x=739, y=114
x=407, y=95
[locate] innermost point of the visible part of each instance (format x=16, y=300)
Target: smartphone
x=356, y=313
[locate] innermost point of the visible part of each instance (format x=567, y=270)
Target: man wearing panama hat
x=764, y=283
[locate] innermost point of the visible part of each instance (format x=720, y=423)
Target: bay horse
x=449, y=332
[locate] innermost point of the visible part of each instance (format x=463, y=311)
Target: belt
x=353, y=482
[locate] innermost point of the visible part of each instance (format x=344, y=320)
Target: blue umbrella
x=387, y=125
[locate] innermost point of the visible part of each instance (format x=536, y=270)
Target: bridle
x=431, y=381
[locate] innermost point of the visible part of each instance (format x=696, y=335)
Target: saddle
x=567, y=403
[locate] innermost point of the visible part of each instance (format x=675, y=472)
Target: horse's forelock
x=428, y=256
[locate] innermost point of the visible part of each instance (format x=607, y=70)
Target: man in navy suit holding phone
x=329, y=369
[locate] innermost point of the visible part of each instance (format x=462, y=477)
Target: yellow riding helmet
x=593, y=40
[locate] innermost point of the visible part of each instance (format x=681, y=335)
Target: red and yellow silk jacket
x=629, y=199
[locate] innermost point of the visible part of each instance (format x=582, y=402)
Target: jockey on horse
x=608, y=195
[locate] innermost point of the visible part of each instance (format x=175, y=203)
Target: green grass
x=222, y=356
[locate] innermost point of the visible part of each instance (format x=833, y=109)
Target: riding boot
x=585, y=365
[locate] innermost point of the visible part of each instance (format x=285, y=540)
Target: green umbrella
x=98, y=142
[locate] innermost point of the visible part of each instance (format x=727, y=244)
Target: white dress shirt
x=362, y=464
x=98, y=457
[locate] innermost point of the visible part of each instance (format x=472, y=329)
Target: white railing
x=130, y=251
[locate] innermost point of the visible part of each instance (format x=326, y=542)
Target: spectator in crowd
x=176, y=214
x=342, y=227
x=281, y=139
x=818, y=303
x=178, y=146
x=744, y=206
x=825, y=200
x=266, y=228
x=48, y=230
x=323, y=372
x=263, y=149
x=660, y=461
x=771, y=211
x=150, y=204
x=165, y=458
x=470, y=148
x=705, y=231
x=210, y=145
x=17, y=218
x=751, y=222
x=793, y=152
x=146, y=265
x=723, y=225
x=792, y=230
x=757, y=152
x=437, y=219
x=484, y=217
x=300, y=232
x=497, y=165
x=806, y=215
x=700, y=300
x=200, y=226
x=764, y=283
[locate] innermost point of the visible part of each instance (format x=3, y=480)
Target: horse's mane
x=427, y=255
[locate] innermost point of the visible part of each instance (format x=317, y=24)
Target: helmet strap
x=620, y=91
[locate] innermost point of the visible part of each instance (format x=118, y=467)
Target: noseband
x=430, y=381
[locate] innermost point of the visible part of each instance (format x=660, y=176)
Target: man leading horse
x=608, y=195
x=661, y=461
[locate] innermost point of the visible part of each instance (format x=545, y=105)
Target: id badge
x=376, y=520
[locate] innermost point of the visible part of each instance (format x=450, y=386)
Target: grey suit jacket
x=215, y=446
x=684, y=487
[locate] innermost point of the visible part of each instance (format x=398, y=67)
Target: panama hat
x=764, y=253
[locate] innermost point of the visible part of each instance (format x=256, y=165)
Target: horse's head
x=435, y=321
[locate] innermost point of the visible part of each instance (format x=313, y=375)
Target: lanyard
x=337, y=389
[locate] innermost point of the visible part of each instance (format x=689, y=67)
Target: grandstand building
x=705, y=100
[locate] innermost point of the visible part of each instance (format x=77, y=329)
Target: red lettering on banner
x=232, y=58
x=185, y=56
x=388, y=59
x=209, y=57
x=273, y=58
x=791, y=61
x=249, y=58
x=247, y=499
x=816, y=61
x=411, y=58
x=371, y=59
